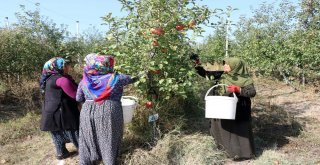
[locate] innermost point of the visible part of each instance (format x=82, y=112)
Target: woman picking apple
x=101, y=117
x=234, y=136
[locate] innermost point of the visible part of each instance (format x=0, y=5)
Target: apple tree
x=156, y=36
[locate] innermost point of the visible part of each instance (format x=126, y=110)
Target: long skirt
x=60, y=138
x=101, y=131
x=235, y=137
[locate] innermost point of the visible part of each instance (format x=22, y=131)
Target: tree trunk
x=285, y=78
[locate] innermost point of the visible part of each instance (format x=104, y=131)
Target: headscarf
x=53, y=66
x=97, y=72
x=238, y=75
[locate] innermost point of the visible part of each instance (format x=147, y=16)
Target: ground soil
x=303, y=106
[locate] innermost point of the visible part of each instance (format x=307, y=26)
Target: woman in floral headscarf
x=60, y=114
x=101, y=119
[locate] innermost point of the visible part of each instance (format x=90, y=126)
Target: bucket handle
x=234, y=95
x=131, y=97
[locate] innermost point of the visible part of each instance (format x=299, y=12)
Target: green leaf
x=143, y=80
x=161, y=81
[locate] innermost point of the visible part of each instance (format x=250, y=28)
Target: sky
x=89, y=13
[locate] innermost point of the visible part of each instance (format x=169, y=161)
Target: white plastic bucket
x=220, y=107
x=128, y=103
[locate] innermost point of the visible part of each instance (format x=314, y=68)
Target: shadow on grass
x=194, y=116
x=12, y=106
x=73, y=154
x=272, y=127
x=11, y=111
x=197, y=123
x=281, y=94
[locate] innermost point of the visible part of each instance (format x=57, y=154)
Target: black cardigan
x=59, y=111
x=244, y=103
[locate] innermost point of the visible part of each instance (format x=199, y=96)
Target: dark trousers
x=60, y=138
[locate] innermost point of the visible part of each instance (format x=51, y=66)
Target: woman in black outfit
x=235, y=136
x=60, y=114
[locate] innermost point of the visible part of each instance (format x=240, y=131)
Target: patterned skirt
x=101, y=131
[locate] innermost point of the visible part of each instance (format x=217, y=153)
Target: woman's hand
x=137, y=77
x=195, y=59
x=234, y=89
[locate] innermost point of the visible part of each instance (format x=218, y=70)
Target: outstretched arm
x=197, y=65
x=200, y=70
x=126, y=79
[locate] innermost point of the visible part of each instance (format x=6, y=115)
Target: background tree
x=26, y=45
x=280, y=40
x=219, y=45
x=261, y=40
x=34, y=39
x=307, y=39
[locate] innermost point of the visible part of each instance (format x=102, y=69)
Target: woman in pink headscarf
x=101, y=119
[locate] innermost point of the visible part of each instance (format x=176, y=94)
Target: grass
x=33, y=150
x=175, y=148
x=285, y=133
x=275, y=158
x=2, y=87
x=19, y=129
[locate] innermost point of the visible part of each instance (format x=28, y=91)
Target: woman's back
x=84, y=94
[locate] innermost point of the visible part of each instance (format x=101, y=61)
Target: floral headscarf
x=98, y=64
x=51, y=67
x=97, y=72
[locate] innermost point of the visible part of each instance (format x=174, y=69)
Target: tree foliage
x=29, y=43
x=154, y=37
x=216, y=50
x=26, y=45
x=280, y=40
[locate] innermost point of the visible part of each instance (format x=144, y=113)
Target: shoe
x=63, y=156
x=239, y=159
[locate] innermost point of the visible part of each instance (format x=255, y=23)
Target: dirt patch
x=303, y=107
x=303, y=103
x=34, y=150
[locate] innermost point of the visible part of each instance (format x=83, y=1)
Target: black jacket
x=244, y=103
x=59, y=111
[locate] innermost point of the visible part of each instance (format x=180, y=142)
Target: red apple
x=164, y=50
x=156, y=71
x=180, y=27
x=148, y=104
x=157, y=31
x=155, y=43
